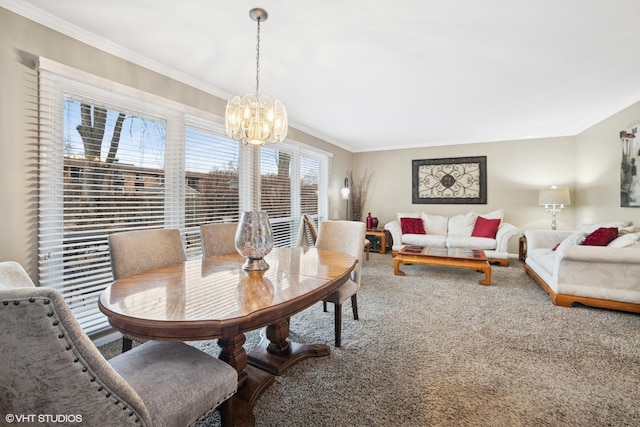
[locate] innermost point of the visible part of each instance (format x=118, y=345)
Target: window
x=113, y=159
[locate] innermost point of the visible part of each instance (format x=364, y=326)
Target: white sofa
x=598, y=276
x=455, y=232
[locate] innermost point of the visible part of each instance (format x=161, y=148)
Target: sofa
x=571, y=268
x=471, y=231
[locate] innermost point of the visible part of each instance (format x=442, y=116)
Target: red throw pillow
x=412, y=226
x=601, y=237
x=486, y=227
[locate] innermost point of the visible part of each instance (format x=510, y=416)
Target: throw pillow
x=486, y=227
x=462, y=225
x=412, y=226
x=625, y=240
x=435, y=224
x=601, y=237
x=573, y=239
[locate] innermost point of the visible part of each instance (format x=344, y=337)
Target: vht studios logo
x=42, y=418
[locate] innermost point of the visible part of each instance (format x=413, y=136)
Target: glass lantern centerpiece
x=254, y=239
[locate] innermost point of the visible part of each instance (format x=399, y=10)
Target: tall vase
x=369, y=221
x=254, y=239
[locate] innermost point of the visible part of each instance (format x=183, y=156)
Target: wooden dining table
x=214, y=298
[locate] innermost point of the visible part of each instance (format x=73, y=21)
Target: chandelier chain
x=258, y=58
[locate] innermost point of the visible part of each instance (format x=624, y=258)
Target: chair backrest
x=345, y=236
x=134, y=252
x=50, y=366
x=311, y=228
x=218, y=239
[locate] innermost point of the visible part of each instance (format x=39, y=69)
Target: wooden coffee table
x=455, y=257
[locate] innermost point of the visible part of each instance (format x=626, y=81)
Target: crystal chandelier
x=254, y=118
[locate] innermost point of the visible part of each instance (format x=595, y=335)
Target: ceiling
x=372, y=75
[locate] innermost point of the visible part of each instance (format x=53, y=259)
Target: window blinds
x=112, y=158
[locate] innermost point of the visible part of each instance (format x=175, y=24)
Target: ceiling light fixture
x=256, y=119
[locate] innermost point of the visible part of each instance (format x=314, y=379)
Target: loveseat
x=571, y=270
x=471, y=231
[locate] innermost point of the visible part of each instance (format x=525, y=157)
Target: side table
x=382, y=235
x=522, y=249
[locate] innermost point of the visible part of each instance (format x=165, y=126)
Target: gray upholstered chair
x=345, y=236
x=219, y=238
x=50, y=366
x=308, y=234
x=134, y=252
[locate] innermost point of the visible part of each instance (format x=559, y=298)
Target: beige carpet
x=435, y=348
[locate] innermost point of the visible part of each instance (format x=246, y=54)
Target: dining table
x=214, y=298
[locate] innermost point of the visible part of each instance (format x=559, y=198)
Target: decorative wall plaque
x=458, y=180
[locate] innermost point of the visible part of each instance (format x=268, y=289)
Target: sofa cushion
x=601, y=237
x=462, y=225
x=625, y=240
x=469, y=242
x=412, y=226
x=573, y=239
x=486, y=227
x=432, y=240
x=435, y=224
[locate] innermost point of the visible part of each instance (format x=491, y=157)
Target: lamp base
x=255, y=264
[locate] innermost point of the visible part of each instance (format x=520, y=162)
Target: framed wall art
x=457, y=180
x=629, y=179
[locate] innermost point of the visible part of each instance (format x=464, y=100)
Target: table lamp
x=554, y=200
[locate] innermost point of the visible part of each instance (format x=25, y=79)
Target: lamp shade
x=554, y=196
x=345, y=192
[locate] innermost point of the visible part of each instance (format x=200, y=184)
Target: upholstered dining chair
x=308, y=234
x=219, y=238
x=50, y=366
x=345, y=236
x=136, y=251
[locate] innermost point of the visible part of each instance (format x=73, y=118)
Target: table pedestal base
x=276, y=353
x=238, y=410
x=277, y=364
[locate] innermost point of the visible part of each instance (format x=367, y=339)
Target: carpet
x=435, y=348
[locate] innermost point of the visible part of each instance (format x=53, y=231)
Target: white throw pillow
x=497, y=214
x=462, y=225
x=625, y=240
x=573, y=239
x=408, y=215
x=590, y=228
x=435, y=224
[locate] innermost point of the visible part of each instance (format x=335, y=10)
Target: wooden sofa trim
x=565, y=300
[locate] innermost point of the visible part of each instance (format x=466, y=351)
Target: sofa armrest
x=505, y=232
x=545, y=238
x=395, y=230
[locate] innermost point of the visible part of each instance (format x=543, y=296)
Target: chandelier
x=255, y=118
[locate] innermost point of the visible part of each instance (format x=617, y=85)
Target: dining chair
x=218, y=239
x=345, y=236
x=136, y=251
x=50, y=366
x=309, y=232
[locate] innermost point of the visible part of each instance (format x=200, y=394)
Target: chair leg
x=338, y=325
x=324, y=306
x=354, y=306
x=127, y=343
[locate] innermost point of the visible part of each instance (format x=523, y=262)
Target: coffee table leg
x=396, y=266
x=486, y=269
x=276, y=353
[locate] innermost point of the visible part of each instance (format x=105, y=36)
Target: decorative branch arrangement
x=359, y=189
